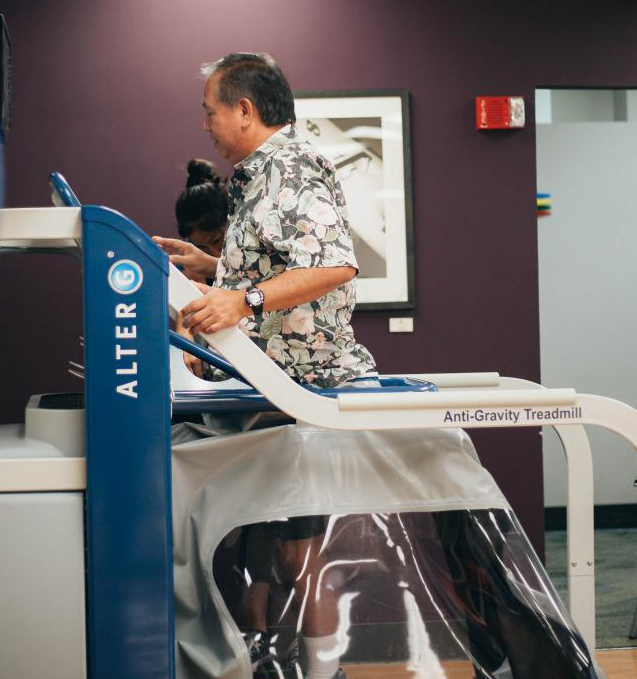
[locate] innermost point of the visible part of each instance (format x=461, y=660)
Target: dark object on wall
x=5, y=71
x=366, y=135
x=544, y=204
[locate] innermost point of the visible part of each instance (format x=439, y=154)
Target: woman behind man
x=202, y=210
x=202, y=221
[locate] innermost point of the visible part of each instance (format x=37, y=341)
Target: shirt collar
x=252, y=165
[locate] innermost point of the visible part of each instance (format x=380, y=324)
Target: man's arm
x=219, y=308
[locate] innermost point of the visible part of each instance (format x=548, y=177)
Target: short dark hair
x=259, y=78
x=203, y=204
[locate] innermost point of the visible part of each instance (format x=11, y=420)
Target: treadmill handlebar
x=63, y=190
x=210, y=357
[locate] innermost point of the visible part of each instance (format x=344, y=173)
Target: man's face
x=223, y=122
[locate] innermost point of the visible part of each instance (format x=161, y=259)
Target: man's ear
x=248, y=112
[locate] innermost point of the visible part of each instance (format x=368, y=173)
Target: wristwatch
x=255, y=299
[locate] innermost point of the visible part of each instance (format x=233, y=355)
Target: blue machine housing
x=128, y=496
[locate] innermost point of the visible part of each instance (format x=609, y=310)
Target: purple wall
x=107, y=92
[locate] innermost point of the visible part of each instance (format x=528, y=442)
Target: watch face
x=254, y=298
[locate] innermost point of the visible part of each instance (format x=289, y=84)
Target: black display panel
x=5, y=73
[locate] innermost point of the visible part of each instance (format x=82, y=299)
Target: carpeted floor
x=615, y=581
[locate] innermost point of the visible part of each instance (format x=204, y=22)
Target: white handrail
x=349, y=401
x=529, y=409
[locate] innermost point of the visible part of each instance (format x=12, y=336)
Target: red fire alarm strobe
x=499, y=113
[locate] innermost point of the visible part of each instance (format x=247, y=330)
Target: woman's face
x=210, y=242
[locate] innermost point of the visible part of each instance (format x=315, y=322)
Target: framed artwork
x=366, y=135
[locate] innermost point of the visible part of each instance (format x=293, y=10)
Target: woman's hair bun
x=201, y=172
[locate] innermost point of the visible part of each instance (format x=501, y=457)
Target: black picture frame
x=366, y=134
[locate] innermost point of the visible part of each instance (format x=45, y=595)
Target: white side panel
x=55, y=227
x=42, y=626
x=42, y=474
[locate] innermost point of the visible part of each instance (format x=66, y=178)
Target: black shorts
x=259, y=541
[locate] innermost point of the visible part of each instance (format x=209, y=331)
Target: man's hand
x=196, y=264
x=216, y=310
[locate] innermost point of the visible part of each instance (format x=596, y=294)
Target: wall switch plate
x=401, y=324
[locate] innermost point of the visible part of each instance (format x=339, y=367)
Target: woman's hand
x=194, y=364
x=195, y=263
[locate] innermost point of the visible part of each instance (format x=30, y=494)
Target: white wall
x=588, y=287
x=582, y=105
x=543, y=107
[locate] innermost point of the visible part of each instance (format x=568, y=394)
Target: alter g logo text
x=125, y=277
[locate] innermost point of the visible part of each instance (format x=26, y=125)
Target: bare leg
x=252, y=613
x=303, y=567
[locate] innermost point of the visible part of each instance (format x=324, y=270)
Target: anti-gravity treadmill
x=419, y=552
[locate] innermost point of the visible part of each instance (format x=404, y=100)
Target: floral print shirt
x=288, y=212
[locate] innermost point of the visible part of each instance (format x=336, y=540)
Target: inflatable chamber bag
x=372, y=554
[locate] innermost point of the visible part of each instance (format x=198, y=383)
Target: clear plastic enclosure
x=432, y=595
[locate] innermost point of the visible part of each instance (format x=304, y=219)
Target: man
x=286, y=271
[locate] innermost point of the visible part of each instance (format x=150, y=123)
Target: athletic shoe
x=261, y=656
x=292, y=665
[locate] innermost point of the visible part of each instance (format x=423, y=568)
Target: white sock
x=322, y=656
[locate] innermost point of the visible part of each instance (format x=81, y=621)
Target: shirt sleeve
x=303, y=217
